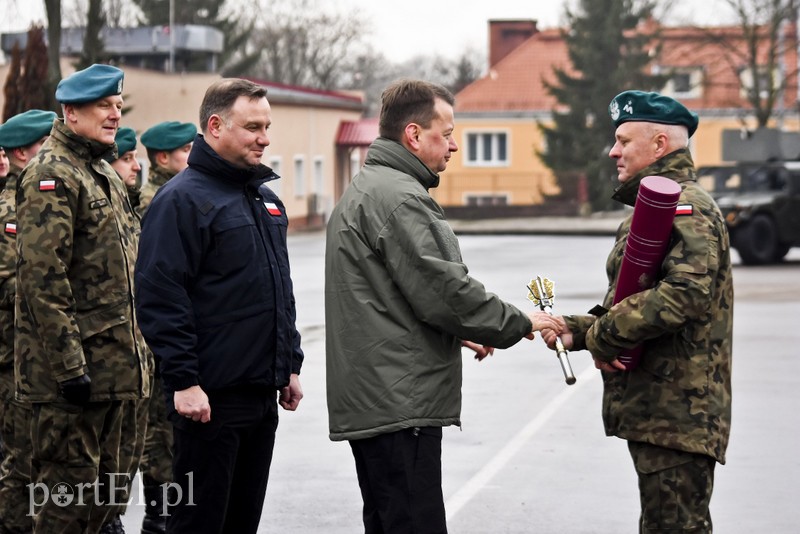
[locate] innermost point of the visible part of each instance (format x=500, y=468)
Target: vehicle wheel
x=757, y=242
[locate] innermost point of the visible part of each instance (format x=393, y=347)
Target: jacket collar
x=388, y=153
x=204, y=159
x=676, y=165
x=82, y=147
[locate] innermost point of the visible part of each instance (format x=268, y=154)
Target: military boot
x=112, y=526
x=153, y=522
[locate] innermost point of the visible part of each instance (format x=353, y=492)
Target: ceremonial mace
x=541, y=293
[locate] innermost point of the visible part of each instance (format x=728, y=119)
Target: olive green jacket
x=76, y=243
x=398, y=300
x=679, y=396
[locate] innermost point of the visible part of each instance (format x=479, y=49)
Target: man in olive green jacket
x=399, y=302
x=79, y=356
x=674, y=409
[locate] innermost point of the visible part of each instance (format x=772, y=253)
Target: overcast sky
x=407, y=28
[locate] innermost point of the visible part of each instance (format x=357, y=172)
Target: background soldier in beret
x=126, y=164
x=22, y=137
x=674, y=409
x=3, y=167
x=79, y=355
x=168, y=145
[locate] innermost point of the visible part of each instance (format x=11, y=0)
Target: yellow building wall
x=297, y=131
x=526, y=180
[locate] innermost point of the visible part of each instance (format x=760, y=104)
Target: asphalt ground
x=531, y=456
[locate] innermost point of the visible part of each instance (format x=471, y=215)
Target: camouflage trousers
x=674, y=488
x=15, y=474
x=156, y=461
x=132, y=450
x=81, y=463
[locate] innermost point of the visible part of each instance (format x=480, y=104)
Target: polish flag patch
x=272, y=209
x=11, y=228
x=683, y=209
x=47, y=185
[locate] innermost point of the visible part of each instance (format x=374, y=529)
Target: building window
x=299, y=176
x=355, y=162
x=319, y=177
x=486, y=149
x=275, y=165
x=683, y=82
x=486, y=200
x=747, y=79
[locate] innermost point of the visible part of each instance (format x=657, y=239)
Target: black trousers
x=222, y=466
x=400, y=475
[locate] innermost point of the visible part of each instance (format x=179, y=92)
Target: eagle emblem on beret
x=614, y=110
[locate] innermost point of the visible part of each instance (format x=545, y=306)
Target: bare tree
x=756, y=52
x=302, y=44
x=53, y=9
x=12, y=104
x=34, y=93
x=92, y=51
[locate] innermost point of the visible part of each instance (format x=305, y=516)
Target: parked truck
x=761, y=205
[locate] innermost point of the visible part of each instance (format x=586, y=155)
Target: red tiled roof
x=515, y=82
x=357, y=133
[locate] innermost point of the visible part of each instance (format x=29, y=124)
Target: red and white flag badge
x=47, y=185
x=11, y=228
x=272, y=209
x=684, y=209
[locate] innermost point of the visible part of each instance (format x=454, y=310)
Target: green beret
x=169, y=135
x=26, y=128
x=126, y=140
x=638, y=106
x=90, y=84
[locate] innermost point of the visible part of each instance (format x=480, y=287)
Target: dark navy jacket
x=213, y=294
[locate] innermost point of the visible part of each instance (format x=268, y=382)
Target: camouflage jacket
x=680, y=395
x=155, y=179
x=8, y=266
x=76, y=244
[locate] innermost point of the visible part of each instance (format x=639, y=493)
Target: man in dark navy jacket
x=215, y=302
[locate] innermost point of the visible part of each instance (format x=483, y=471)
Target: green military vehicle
x=761, y=205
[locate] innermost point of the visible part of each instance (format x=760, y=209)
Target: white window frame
x=695, y=74
x=276, y=164
x=746, y=79
x=480, y=159
x=318, y=170
x=486, y=194
x=299, y=169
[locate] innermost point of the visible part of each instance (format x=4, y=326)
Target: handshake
x=540, y=322
x=554, y=329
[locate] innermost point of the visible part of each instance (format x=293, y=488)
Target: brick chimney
x=506, y=35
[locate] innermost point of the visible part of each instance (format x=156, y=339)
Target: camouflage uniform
x=157, y=177
x=15, y=472
x=74, y=314
x=678, y=400
x=157, y=457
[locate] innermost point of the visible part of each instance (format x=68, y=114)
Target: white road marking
x=460, y=498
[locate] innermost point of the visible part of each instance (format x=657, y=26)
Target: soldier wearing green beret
x=3, y=168
x=22, y=136
x=674, y=409
x=126, y=164
x=168, y=145
x=79, y=357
